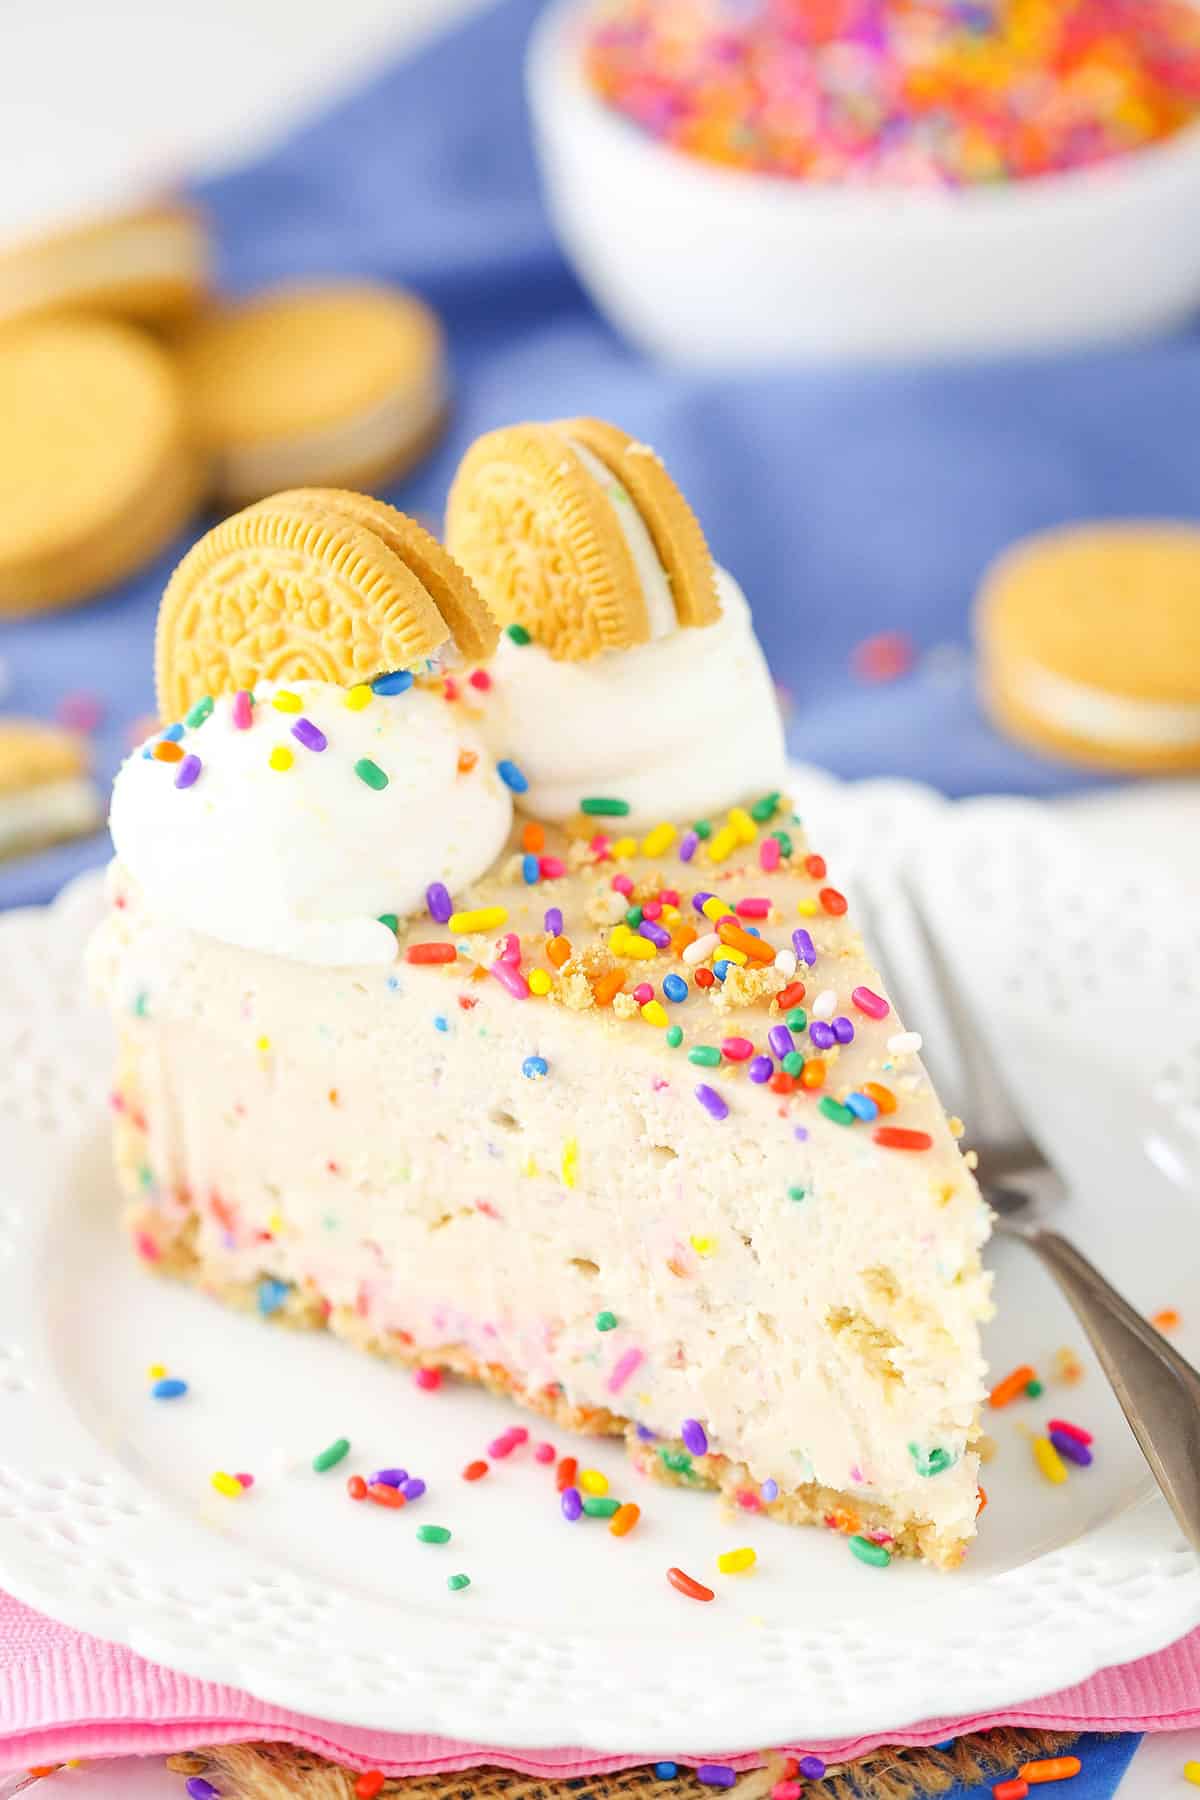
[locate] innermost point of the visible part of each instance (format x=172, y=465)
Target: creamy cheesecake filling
x=55, y=274
x=652, y=577
x=47, y=812
x=369, y=437
x=1104, y=718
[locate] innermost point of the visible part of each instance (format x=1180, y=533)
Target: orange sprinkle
x=624, y=1519
x=682, y=938
x=1166, y=1320
x=564, y=1475
x=606, y=987
x=467, y=760
x=983, y=1500
x=812, y=1075
x=1050, y=1768
x=753, y=947
x=533, y=837
x=1012, y=1385
x=167, y=750
x=558, y=950
x=883, y=1097
x=833, y=901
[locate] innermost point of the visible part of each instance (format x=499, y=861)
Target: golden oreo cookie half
x=1089, y=644
x=97, y=470
x=576, y=532
x=299, y=587
x=151, y=264
x=341, y=384
x=46, y=790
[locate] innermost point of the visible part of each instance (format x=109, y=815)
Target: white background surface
x=149, y=87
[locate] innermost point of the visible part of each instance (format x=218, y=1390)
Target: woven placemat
x=279, y=1772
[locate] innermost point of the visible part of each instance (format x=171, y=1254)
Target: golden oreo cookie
x=337, y=385
x=577, y=533
x=149, y=263
x=1089, y=642
x=46, y=791
x=97, y=471
x=294, y=589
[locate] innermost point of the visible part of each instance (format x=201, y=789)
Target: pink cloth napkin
x=63, y=1694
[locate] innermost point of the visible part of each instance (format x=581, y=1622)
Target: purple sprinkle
x=811, y=1767
x=716, y=1774
x=694, y=1436
x=769, y=1490
x=199, y=1789
x=624, y=1367
x=571, y=1503
x=649, y=928
x=781, y=1040
x=389, y=1477
x=803, y=945
x=437, y=899
x=414, y=1487
x=761, y=1069
x=698, y=901
x=189, y=772
x=801, y=1134
x=688, y=844
x=1071, y=1448
x=647, y=1436
x=711, y=1101
x=553, y=921
x=821, y=1035
x=842, y=1029
x=310, y=735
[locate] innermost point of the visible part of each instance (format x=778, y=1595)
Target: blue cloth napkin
x=1104, y=1761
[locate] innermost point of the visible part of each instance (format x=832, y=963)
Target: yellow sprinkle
x=156, y=1371
x=716, y=908
x=742, y=825
x=806, y=908
x=658, y=841
x=727, y=953
x=703, y=1246
x=358, y=696
x=539, y=981
x=275, y=1224
x=669, y=915
x=624, y=848
x=529, y=1167
x=627, y=943
x=1049, y=1461
x=1191, y=1772
x=484, y=918
x=281, y=757
x=593, y=1481
x=570, y=1162
x=262, y=1045
x=286, y=701
x=736, y=1562
x=955, y=1125
x=722, y=843
x=227, y=1485
x=653, y=1013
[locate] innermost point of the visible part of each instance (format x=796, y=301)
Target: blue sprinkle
x=751, y=931
x=511, y=776
x=666, y=1771
x=441, y=1022
x=398, y=682
x=553, y=921
x=529, y=869
x=721, y=969
x=675, y=987
x=413, y=1488
x=648, y=1437
x=862, y=1106
x=147, y=754
x=534, y=1067
x=173, y=733
x=271, y=1295
x=769, y=1490
x=169, y=1388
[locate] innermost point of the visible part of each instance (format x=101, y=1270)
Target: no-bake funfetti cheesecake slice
x=616, y=1119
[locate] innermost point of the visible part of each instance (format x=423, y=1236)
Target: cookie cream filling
x=47, y=812
x=371, y=436
x=1089, y=712
x=677, y=728
x=303, y=826
x=652, y=577
x=172, y=250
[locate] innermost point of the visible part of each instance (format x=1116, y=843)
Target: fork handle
x=1159, y=1390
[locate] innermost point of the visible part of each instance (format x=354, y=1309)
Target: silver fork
x=1158, y=1389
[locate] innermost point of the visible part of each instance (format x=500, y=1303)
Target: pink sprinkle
x=643, y=992
x=768, y=860
x=550, y=868
x=243, y=710
x=511, y=952
x=623, y=885
x=247, y=1481
x=652, y=909
x=518, y=1434
x=502, y=1446
x=429, y=1379
x=1072, y=1431
x=599, y=845
x=669, y=896
x=147, y=1249
x=871, y=1003
x=737, y=1049
x=479, y=678
x=117, y=1102
x=787, y=1790
x=543, y=1453
x=626, y=1365
x=509, y=976
x=752, y=909
x=748, y=1500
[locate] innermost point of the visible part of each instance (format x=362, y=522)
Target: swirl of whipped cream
x=302, y=860
x=678, y=727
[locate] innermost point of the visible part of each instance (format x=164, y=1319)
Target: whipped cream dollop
x=678, y=728
x=373, y=802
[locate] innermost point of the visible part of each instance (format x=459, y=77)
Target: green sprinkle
x=793, y=1062
x=764, y=809
x=329, y=1458
x=197, y=714
x=678, y=1461
x=606, y=1321
x=702, y=828
x=370, y=772
x=867, y=1552
x=797, y=1019
x=600, y=1506
x=784, y=842
x=796, y=1193
x=634, y=917
x=518, y=634
x=833, y=1109
x=931, y=1462
x=674, y=1036
x=146, y=1175
x=141, y=1005
x=599, y=807
x=707, y=1055
x=433, y=1534
x=1035, y=1388
x=456, y=1583
x=390, y=920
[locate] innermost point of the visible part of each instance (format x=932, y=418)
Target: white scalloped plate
x=1085, y=977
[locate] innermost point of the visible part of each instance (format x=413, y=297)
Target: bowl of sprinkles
x=755, y=182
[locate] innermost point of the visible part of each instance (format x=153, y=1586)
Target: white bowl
x=721, y=267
